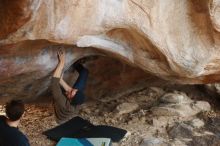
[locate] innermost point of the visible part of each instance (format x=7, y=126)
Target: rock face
x=30, y=76
x=176, y=40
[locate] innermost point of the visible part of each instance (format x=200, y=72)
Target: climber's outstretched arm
x=55, y=86
x=60, y=65
x=66, y=87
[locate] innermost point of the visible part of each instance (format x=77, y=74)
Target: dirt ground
x=137, y=120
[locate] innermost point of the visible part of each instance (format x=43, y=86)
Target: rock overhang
x=174, y=40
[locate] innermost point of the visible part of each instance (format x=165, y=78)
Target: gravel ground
x=137, y=119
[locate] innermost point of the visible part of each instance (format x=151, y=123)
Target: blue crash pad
x=84, y=142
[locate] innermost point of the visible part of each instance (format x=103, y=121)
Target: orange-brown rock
x=177, y=40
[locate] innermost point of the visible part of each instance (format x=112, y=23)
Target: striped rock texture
x=175, y=40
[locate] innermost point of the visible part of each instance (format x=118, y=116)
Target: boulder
x=181, y=130
x=175, y=40
x=178, y=104
x=125, y=108
x=197, y=123
x=152, y=141
x=175, y=98
x=194, y=133
x=208, y=140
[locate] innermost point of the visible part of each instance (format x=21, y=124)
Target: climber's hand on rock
x=61, y=56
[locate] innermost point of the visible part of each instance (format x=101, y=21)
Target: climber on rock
x=65, y=104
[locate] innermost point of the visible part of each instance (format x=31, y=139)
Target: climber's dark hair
x=14, y=109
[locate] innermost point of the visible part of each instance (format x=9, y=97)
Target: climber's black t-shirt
x=11, y=136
